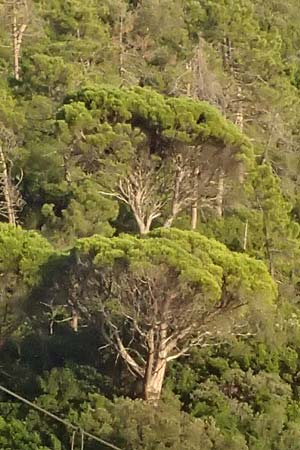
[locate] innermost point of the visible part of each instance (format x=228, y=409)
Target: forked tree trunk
x=144, y=228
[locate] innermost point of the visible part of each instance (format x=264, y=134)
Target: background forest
x=150, y=223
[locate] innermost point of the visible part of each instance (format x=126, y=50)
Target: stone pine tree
x=155, y=298
x=162, y=154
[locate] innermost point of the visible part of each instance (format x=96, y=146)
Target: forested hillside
x=150, y=224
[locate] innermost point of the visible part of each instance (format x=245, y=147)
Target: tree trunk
x=156, y=365
x=267, y=244
x=7, y=191
x=189, y=83
x=245, y=242
x=168, y=223
x=74, y=320
x=143, y=229
x=220, y=194
x=121, y=47
x=18, y=31
x=194, y=217
x=153, y=383
x=176, y=206
x=227, y=54
x=15, y=44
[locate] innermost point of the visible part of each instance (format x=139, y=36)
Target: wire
x=59, y=419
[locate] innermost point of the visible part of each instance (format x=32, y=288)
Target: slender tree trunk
x=15, y=44
x=121, y=47
x=66, y=169
x=239, y=121
x=74, y=320
x=267, y=244
x=18, y=31
x=245, y=242
x=194, y=216
x=220, y=194
x=189, y=83
x=227, y=54
x=176, y=207
x=194, y=208
x=169, y=222
x=7, y=191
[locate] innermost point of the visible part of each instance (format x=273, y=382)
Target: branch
x=128, y=358
x=119, y=346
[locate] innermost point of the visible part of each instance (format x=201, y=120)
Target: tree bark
x=121, y=47
x=18, y=31
x=245, y=242
x=220, y=194
x=176, y=203
x=153, y=383
x=156, y=366
x=7, y=191
x=227, y=54
x=267, y=244
x=194, y=216
x=75, y=320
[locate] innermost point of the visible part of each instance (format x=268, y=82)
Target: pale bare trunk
x=74, y=320
x=7, y=191
x=169, y=222
x=241, y=172
x=245, y=243
x=18, y=31
x=156, y=367
x=175, y=211
x=154, y=383
x=189, y=83
x=66, y=169
x=220, y=194
x=176, y=203
x=121, y=47
x=143, y=229
x=240, y=123
x=194, y=208
x=267, y=244
x=194, y=217
x=15, y=44
x=227, y=54
x=240, y=113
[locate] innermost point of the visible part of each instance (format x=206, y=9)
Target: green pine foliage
x=149, y=155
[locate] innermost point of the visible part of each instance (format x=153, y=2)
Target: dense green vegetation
x=150, y=224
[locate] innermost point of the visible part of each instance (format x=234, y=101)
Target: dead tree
x=10, y=199
x=145, y=190
x=19, y=15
